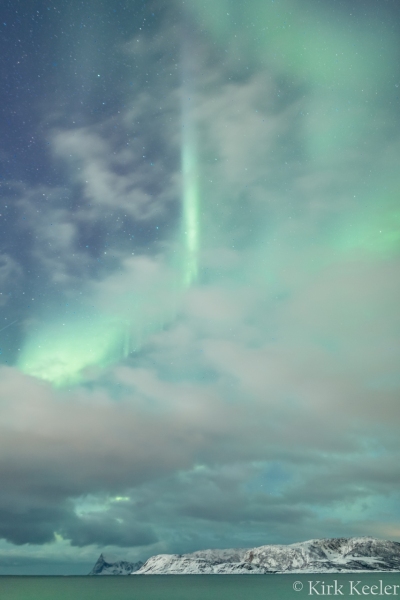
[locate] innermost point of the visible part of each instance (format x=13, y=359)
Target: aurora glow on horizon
x=199, y=277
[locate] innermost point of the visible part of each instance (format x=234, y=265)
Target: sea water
x=203, y=587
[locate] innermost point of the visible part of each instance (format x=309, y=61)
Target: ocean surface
x=202, y=587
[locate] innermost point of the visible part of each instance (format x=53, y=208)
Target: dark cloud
x=30, y=525
x=107, y=531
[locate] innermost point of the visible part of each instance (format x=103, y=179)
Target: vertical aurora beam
x=190, y=229
x=190, y=208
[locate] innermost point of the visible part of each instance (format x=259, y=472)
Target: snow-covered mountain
x=338, y=554
x=107, y=567
x=203, y=561
x=327, y=555
x=314, y=556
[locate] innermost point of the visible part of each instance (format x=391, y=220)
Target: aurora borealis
x=199, y=276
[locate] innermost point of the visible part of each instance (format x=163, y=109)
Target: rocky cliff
x=107, y=567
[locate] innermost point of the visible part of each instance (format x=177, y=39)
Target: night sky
x=199, y=276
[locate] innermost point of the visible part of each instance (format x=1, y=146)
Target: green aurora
x=337, y=68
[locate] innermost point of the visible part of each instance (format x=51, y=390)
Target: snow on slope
x=185, y=564
x=230, y=555
x=327, y=555
x=339, y=554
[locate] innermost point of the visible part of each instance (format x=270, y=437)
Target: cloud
x=112, y=177
x=107, y=531
x=214, y=390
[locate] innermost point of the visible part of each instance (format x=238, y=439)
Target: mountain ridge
x=333, y=555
